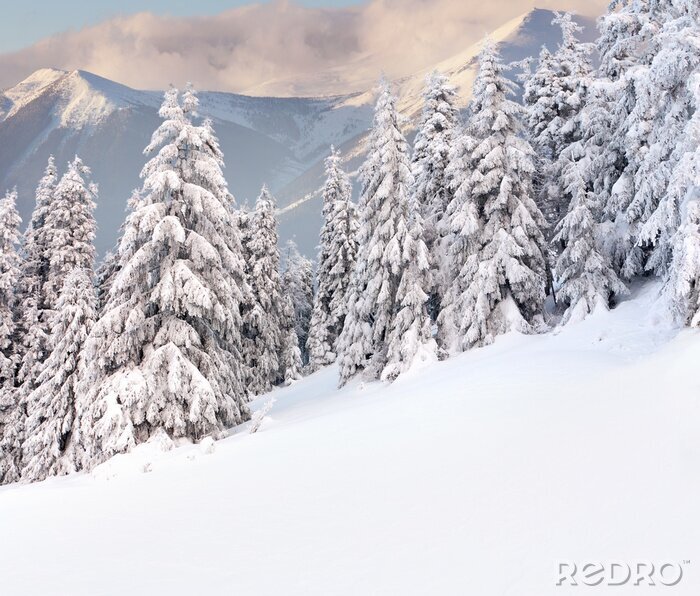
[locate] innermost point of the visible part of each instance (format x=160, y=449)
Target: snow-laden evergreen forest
x=520, y=217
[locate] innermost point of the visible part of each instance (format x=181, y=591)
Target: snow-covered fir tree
x=244, y=216
x=51, y=406
x=34, y=321
x=387, y=296
x=60, y=239
x=622, y=37
x=165, y=355
x=462, y=231
x=9, y=275
x=501, y=284
x=266, y=318
x=431, y=148
x=667, y=92
x=575, y=73
x=10, y=408
x=70, y=228
x=106, y=271
x=596, y=121
x=541, y=91
x=555, y=94
x=540, y=96
x=66, y=238
x=336, y=260
x=290, y=356
x=410, y=332
x=298, y=285
x=631, y=38
x=682, y=287
x=583, y=272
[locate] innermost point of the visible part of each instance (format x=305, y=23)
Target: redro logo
x=618, y=573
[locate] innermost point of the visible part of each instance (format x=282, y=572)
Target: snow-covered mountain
x=281, y=141
x=64, y=113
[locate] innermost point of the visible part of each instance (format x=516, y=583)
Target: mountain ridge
x=278, y=140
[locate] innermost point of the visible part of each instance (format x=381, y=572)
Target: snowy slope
x=281, y=141
x=477, y=475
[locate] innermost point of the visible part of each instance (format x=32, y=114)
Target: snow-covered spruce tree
x=164, y=357
x=66, y=242
x=290, y=355
x=554, y=94
x=667, y=92
x=249, y=307
x=51, y=406
x=572, y=76
x=9, y=275
x=336, y=260
x=682, y=286
x=410, y=334
x=504, y=277
x=70, y=228
x=387, y=297
x=10, y=409
x=575, y=72
x=584, y=274
x=298, y=285
x=619, y=50
x=429, y=162
x=61, y=242
x=622, y=37
x=462, y=229
x=33, y=324
x=265, y=318
x=297, y=294
x=209, y=171
x=106, y=271
x=630, y=40
x=540, y=92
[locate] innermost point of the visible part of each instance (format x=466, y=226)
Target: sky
x=250, y=48
x=26, y=22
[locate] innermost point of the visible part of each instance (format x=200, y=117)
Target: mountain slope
x=518, y=39
x=456, y=479
x=63, y=113
x=281, y=141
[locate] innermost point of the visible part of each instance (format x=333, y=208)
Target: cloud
x=245, y=48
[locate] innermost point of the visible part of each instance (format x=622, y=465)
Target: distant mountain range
x=281, y=141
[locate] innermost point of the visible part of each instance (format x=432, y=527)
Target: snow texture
x=455, y=479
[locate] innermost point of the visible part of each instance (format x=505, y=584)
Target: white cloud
x=244, y=48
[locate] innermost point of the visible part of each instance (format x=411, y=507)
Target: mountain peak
x=79, y=97
x=40, y=78
x=25, y=91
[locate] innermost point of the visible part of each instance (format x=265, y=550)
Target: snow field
x=476, y=475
